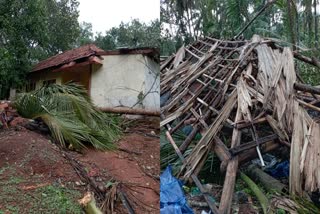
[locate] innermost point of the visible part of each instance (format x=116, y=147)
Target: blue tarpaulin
x=172, y=199
x=281, y=170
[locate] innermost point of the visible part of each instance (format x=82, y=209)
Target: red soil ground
x=136, y=164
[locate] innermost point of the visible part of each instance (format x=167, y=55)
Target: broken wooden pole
x=252, y=144
x=306, y=88
x=189, y=139
x=252, y=153
x=126, y=110
x=312, y=61
x=231, y=173
x=221, y=151
x=245, y=124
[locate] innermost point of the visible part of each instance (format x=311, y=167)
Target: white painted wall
x=122, y=79
x=152, y=86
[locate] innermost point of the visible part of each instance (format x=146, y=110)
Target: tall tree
x=32, y=30
x=132, y=34
x=315, y=3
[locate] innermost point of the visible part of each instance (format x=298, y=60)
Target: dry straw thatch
x=251, y=89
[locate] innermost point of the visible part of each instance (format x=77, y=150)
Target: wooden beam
x=127, y=110
x=251, y=154
x=306, y=88
x=252, y=144
x=231, y=173
x=221, y=150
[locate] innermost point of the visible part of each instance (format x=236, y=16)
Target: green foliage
x=32, y=30
x=305, y=206
x=168, y=156
x=86, y=34
x=280, y=211
x=70, y=115
x=167, y=152
x=132, y=34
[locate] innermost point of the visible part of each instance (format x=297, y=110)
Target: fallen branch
x=312, y=61
x=125, y=202
x=306, y=88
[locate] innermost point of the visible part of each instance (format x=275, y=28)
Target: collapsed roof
x=249, y=93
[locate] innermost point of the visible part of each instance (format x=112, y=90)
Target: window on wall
x=49, y=82
x=31, y=86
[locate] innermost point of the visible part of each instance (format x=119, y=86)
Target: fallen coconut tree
x=70, y=116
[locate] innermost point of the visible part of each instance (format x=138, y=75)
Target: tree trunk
x=271, y=184
x=315, y=24
x=291, y=24
x=309, y=20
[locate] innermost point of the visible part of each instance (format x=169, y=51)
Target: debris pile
x=9, y=116
x=245, y=99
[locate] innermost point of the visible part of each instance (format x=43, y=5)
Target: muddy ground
x=36, y=178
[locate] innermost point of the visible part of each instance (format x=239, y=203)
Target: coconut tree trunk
x=315, y=23
x=291, y=23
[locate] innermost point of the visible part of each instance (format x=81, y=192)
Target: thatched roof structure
x=250, y=90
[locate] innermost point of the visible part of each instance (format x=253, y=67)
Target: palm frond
x=70, y=115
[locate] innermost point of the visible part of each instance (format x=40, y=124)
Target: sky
x=105, y=14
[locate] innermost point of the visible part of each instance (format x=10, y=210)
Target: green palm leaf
x=70, y=115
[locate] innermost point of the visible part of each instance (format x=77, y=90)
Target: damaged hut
x=245, y=99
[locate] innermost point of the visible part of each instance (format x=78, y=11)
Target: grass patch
x=55, y=199
x=49, y=199
x=3, y=169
